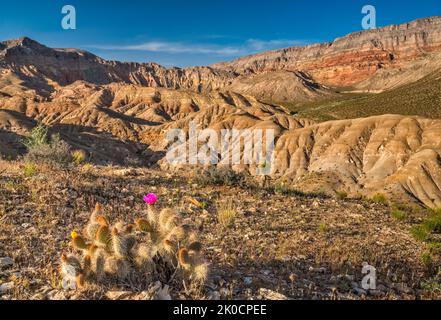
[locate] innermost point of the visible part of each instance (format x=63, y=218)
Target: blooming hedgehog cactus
x=156, y=247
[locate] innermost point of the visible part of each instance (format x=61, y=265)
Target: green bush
x=428, y=227
x=398, y=214
x=420, y=233
x=38, y=137
x=78, y=157
x=42, y=150
x=30, y=170
x=379, y=198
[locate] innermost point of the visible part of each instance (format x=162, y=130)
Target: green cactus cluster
x=157, y=247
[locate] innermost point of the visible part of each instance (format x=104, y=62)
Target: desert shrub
x=30, y=170
x=323, y=227
x=342, y=195
x=379, y=198
x=419, y=233
x=226, y=213
x=157, y=247
x=433, y=285
x=87, y=168
x=428, y=231
x=37, y=137
x=42, y=150
x=78, y=157
x=398, y=214
x=224, y=176
x=287, y=190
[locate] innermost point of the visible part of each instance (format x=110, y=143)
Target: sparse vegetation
x=226, y=213
x=288, y=190
x=429, y=231
x=379, y=198
x=329, y=237
x=224, y=176
x=323, y=227
x=342, y=195
x=398, y=214
x=78, y=157
x=42, y=150
x=30, y=169
x=405, y=100
x=433, y=285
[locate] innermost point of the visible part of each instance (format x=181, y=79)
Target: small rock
x=117, y=295
x=293, y=277
x=248, y=281
x=5, y=287
x=360, y=291
x=224, y=292
x=375, y=293
x=56, y=295
x=214, y=295
x=402, y=288
x=268, y=294
x=6, y=262
x=350, y=277
x=318, y=270
x=38, y=296
x=381, y=288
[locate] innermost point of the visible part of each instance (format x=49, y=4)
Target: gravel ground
x=276, y=246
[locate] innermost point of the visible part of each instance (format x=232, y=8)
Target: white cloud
x=248, y=47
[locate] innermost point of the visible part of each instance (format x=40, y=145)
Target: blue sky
x=196, y=32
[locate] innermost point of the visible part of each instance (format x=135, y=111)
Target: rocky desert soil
x=279, y=245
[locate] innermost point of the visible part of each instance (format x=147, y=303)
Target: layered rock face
x=348, y=60
x=46, y=69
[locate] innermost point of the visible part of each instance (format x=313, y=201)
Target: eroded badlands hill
x=391, y=154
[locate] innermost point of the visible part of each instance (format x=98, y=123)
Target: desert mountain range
x=379, y=91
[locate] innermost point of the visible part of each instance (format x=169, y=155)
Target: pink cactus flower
x=150, y=198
